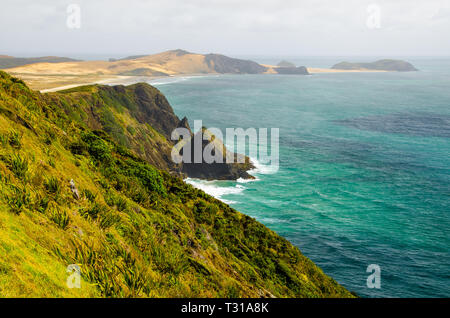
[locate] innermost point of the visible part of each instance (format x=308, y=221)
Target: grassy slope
x=135, y=231
x=117, y=111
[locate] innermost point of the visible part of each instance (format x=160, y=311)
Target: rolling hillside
x=74, y=191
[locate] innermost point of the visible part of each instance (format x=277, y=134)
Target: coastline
x=118, y=79
x=47, y=83
x=111, y=80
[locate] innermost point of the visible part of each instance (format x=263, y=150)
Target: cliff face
x=138, y=117
x=381, y=65
x=73, y=195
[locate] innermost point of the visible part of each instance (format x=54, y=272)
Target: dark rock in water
x=284, y=63
x=301, y=70
x=381, y=65
x=217, y=171
x=224, y=64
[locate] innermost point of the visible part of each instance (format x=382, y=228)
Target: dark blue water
x=364, y=172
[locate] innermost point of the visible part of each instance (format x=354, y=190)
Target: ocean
x=364, y=174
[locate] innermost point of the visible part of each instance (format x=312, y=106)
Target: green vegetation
x=135, y=230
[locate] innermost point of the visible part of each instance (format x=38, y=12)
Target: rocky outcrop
x=216, y=171
x=381, y=65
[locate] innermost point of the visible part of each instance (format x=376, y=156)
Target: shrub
x=169, y=260
x=49, y=137
x=3, y=140
x=52, y=185
x=97, y=148
x=94, y=211
x=117, y=201
x=51, y=162
x=89, y=195
x=205, y=212
x=131, y=130
x=121, y=203
x=78, y=147
x=14, y=139
x=139, y=196
x=19, y=199
x=19, y=166
x=41, y=203
x=108, y=219
x=61, y=218
x=148, y=176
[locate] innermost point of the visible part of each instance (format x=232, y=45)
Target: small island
x=380, y=65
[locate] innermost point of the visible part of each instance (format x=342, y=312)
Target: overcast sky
x=233, y=27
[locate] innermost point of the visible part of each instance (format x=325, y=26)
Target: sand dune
x=166, y=63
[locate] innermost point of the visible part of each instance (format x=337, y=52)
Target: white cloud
x=290, y=27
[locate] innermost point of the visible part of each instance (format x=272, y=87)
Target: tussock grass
x=18, y=199
x=60, y=217
x=52, y=185
x=19, y=166
x=14, y=139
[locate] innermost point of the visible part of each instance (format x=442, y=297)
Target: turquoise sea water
x=364, y=172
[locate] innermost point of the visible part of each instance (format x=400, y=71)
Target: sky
x=113, y=28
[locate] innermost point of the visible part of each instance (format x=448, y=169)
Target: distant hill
x=174, y=62
x=10, y=61
x=284, y=63
x=381, y=65
x=224, y=64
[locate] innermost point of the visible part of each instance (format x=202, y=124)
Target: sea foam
x=215, y=188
